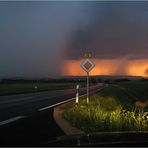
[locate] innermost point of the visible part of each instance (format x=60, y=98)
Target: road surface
x=26, y=119
x=22, y=105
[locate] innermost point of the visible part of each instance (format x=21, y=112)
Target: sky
x=50, y=38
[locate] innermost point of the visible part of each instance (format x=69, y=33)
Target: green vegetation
x=139, y=89
x=111, y=109
x=6, y=89
x=120, y=96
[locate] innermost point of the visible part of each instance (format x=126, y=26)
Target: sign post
x=87, y=87
x=87, y=65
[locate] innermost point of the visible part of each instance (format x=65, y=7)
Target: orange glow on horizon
x=138, y=68
x=108, y=67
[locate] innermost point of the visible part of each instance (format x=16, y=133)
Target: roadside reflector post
x=87, y=65
x=77, y=94
x=35, y=87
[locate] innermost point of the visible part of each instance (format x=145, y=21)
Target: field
x=6, y=89
x=111, y=109
x=138, y=89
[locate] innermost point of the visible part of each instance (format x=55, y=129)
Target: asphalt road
x=26, y=119
x=23, y=105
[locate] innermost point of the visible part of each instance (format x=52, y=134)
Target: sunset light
x=108, y=67
x=138, y=68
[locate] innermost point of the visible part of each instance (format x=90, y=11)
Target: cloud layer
x=37, y=37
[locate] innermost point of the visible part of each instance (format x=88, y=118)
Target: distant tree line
x=144, y=79
x=92, y=80
x=63, y=80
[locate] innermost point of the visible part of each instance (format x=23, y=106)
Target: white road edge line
x=41, y=109
x=59, y=103
x=11, y=120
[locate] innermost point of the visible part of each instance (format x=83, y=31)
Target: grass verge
x=105, y=113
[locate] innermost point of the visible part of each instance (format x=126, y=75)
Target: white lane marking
x=11, y=120
x=47, y=107
x=59, y=103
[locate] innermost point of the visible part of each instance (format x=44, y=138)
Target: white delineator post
x=77, y=94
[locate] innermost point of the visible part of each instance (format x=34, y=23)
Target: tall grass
x=104, y=114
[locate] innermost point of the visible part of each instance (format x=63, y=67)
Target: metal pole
x=87, y=87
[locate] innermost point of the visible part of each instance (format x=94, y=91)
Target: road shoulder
x=64, y=124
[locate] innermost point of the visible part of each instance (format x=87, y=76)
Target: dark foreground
x=126, y=139
x=41, y=130
x=38, y=127
x=34, y=126
x=36, y=130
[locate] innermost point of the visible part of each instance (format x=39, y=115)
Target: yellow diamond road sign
x=87, y=65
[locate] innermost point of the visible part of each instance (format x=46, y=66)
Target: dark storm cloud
x=115, y=29
x=36, y=37
x=33, y=36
